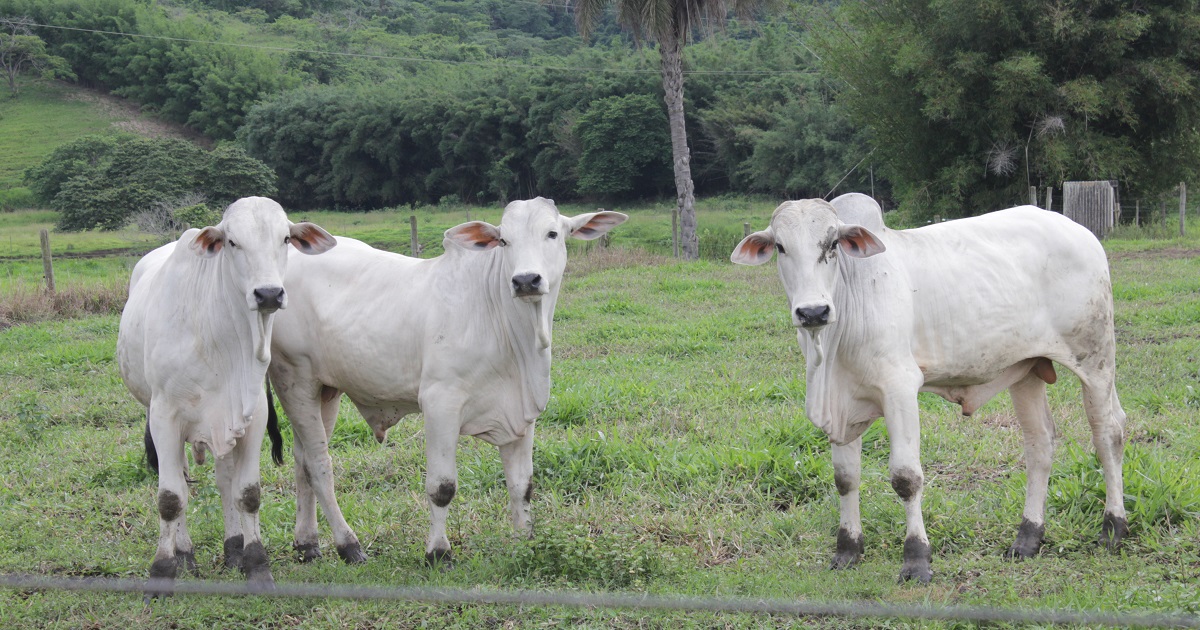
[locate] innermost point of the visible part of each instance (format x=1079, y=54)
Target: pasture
x=674, y=458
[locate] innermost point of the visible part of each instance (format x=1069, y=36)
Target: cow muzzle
x=269, y=299
x=811, y=316
x=528, y=285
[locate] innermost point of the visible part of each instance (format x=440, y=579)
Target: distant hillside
x=48, y=114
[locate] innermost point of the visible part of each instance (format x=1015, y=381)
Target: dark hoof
x=849, y=550
x=257, y=568
x=1113, y=531
x=352, y=553
x=441, y=558
x=233, y=552
x=308, y=551
x=1028, y=543
x=917, y=557
x=187, y=561
x=162, y=579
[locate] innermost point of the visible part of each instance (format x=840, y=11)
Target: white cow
x=193, y=347
x=463, y=338
x=963, y=309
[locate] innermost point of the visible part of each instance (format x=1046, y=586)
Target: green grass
x=42, y=117
x=674, y=458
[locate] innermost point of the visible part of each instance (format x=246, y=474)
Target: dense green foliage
x=623, y=146
x=970, y=103
x=21, y=51
x=352, y=117
x=101, y=181
x=171, y=71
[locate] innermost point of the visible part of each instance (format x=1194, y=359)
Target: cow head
x=532, y=235
x=808, y=237
x=253, y=237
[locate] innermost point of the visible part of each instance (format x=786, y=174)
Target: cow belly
x=496, y=430
x=972, y=396
x=381, y=417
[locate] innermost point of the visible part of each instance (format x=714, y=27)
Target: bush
x=626, y=147
x=103, y=182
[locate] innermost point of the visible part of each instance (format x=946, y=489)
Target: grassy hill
x=49, y=113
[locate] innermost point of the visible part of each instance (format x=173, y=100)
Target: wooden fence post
x=1033, y=195
x=416, y=244
x=47, y=266
x=745, y=230
x=675, y=231
x=1137, y=213
x=1091, y=204
x=1049, y=197
x=1182, y=206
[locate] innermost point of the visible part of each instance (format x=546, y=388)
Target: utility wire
x=634, y=601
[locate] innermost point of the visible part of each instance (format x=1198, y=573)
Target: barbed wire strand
x=598, y=600
x=488, y=64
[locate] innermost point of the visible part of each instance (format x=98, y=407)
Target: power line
x=604, y=600
x=486, y=64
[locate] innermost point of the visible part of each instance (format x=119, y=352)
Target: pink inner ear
x=209, y=241
x=476, y=234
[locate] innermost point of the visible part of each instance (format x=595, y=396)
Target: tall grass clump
x=24, y=304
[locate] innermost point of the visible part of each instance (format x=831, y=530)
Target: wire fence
x=633, y=601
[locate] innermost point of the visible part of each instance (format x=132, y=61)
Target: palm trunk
x=671, y=49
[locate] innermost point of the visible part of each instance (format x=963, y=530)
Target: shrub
x=102, y=182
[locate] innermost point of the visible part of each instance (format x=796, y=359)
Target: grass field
x=674, y=458
x=50, y=112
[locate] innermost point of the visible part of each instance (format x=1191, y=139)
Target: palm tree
x=669, y=22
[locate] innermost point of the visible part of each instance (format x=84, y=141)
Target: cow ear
x=593, y=225
x=859, y=242
x=475, y=235
x=310, y=238
x=755, y=249
x=208, y=242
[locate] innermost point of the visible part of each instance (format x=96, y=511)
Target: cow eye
x=779, y=248
x=503, y=243
x=552, y=234
x=833, y=245
x=287, y=239
x=231, y=243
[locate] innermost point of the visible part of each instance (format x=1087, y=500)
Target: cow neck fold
x=513, y=323
x=827, y=404
x=230, y=337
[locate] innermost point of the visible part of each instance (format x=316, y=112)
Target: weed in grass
x=579, y=554
x=32, y=421
x=126, y=471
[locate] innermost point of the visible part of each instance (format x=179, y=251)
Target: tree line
x=960, y=106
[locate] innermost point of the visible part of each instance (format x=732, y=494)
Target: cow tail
x=151, y=452
x=273, y=428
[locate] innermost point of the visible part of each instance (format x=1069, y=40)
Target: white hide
x=446, y=336
x=964, y=309
x=193, y=347
x=190, y=332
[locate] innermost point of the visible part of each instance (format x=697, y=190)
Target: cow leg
x=1107, y=420
x=312, y=423
x=247, y=499
x=172, y=504
x=441, y=480
x=904, y=433
x=226, y=472
x=517, y=457
x=847, y=473
x=1037, y=427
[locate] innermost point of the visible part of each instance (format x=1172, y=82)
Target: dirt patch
x=128, y=116
x=1171, y=253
